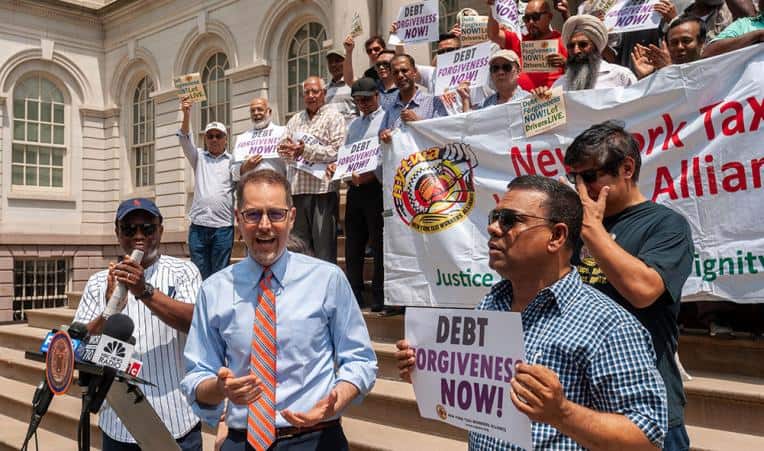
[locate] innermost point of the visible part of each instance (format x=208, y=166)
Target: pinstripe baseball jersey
x=157, y=345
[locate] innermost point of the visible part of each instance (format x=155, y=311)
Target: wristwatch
x=148, y=291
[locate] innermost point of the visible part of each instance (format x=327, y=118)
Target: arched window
x=143, y=134
x=39, y=138
x=306, y=57
x=217, y=86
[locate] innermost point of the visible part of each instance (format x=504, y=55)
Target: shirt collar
x=253, y=271
x=561, y=293
x=415, y=101
x=224, y=154
x=373, y=114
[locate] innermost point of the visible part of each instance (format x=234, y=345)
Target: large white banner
x=699, y=127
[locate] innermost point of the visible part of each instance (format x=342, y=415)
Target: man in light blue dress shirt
x=318, y=324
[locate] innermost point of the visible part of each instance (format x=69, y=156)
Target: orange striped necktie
x=261, y=418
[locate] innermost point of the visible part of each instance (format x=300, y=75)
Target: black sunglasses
x=215, y=136
x=382, y=65
x=508, y=218
x=370, y=50
x=445, y=50
x=129, y=230
x=533, y=16
x=588, y=176
x=255, y=215
x=505, y=67
x=583, y=45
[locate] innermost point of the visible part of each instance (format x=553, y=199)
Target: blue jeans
x=677, y=439
x=210, y=248
x=189, y=442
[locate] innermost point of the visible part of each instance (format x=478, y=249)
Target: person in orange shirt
x=537, y=19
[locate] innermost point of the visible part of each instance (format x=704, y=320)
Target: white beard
x=259, y=125
x=583, y=75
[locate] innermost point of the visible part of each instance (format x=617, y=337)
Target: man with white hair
x=313, y=137
x=262, y=128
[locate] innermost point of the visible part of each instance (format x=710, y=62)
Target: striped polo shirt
x=158, y=346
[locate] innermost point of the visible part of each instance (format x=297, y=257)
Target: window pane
x=44, y=156
x=58, y=157
x=32, y=132
x=30, y=175
x=18, y=130
x=18, y=154
x=18, y=109
x=31, y=155
x=45, y=112
x=17, y=175
x=58, y=114
x=32, y=110
x=58, y=134
x=44, y=176
x=45, y=133
x=58, y=177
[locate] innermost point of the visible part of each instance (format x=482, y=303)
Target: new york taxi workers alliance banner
x=700, y=128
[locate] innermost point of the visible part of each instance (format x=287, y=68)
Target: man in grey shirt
x=210, y=237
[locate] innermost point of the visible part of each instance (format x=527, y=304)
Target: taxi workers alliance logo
x=441, y=411
x=434, y=189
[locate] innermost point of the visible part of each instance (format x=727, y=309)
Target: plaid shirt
x=603, y=356
x=328, y=126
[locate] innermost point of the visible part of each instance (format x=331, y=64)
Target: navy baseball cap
x=138, y=203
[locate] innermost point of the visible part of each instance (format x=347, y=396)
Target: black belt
x=289, y=432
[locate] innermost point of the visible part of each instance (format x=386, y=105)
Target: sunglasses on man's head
x=505, y=67
x=588, y=176
x=446, y=50
x=533, y=16
x=255, y=215
x=129, y=230
x=508, y=218
x=215, y=136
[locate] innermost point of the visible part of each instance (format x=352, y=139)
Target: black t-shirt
x=662, y=239
x=371, y=73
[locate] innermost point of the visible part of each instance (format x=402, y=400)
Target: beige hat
x=508, y=55
x=336, y=51
x=216, y=126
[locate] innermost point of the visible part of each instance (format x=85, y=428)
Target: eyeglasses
x=129, y=230
x=370, y=50
x=215, y=136
x=588, y=176
x=382, y=65
x=255, y=215
x=583, y=45
x=533, y=16
x=445, y=50
x=505, y=67
x=508, y=218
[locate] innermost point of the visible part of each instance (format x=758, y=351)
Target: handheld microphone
x=119, y=296
x=113, y=352
x=43, y=395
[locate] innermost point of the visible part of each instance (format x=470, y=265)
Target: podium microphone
x=117, y=300
x=59, y=368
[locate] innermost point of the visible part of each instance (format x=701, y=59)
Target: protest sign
x=467, y=64
x=543, y=115
x=417, y=22
x=258, y=142
x=534, y=54
x=697, y=126
x=474, y=29
x=359, y=157
x=464, y=362
x=505, y=12
x=356, y=29
x=190, y=85
x=317, y=170
x=632, y=15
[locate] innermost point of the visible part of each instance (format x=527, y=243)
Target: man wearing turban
x=585, y=37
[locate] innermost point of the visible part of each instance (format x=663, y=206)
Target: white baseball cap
x=216, y=126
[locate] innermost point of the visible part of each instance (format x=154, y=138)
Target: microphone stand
x=83, y=429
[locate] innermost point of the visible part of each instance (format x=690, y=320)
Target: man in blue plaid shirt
x=592, y=381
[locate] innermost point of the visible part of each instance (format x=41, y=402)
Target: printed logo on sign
x=113, y=353
x=59, y=363
x=442, y=414
x=434, y=188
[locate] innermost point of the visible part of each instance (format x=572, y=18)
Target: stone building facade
x=88, y=113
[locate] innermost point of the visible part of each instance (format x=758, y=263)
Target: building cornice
x=56, y=10
x=99, y=113
x=259, y=69
x=166, y=95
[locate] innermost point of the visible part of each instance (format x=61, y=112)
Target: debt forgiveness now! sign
x=465, y=360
